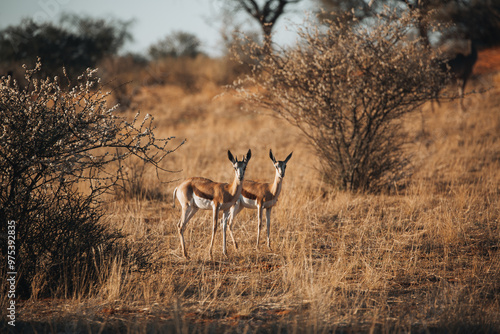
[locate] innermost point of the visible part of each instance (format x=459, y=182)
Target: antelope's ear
x=288, y=157
x=248, y=156
x=230, y=156
x=272, y=156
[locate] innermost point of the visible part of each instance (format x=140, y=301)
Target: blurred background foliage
x=77, y=42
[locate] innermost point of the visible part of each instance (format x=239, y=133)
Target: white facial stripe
x=280, y=168
x=240, y=168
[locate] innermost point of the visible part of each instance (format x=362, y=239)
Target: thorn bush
x=60, y=151
x=347, y=87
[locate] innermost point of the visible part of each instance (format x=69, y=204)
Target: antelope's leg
x=214, y=228
x=259, y=223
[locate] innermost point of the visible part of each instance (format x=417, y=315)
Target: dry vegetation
x=422, y=258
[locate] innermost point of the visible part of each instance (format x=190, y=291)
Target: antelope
x=200, y=193
x=460, y=66
x=260, y=196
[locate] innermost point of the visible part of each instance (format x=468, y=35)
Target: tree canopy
x=478, y=20
x=75, y=43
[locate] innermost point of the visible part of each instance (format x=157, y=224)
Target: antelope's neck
x=276, y=188
x=235, y=187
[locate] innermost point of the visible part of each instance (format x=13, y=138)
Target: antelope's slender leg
x=259, y=223
x=192, y=212
x=214, y=227
x=268, y=221
x=234, y=211
x=225, y=216
x=181, y=226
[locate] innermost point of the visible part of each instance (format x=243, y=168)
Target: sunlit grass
x=420, y=257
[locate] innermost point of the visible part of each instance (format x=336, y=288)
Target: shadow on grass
x=295, y=324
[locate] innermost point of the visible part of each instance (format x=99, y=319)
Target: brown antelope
x=199, y=193
x=460, y=66
x=260, y=196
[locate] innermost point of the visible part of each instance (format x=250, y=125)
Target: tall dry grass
x=424, y=257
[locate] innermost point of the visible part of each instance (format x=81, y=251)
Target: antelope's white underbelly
x=206, y=204
x=248, y=203
x=202, y=203
x=252, y=203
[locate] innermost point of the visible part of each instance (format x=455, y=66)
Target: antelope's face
x=279, y=165
x=239, y=166
x=280, y=168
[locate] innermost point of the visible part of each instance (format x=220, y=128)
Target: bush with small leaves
x=347, y=89
x=60, y=151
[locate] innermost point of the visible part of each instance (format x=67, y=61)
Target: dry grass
x=420, y=258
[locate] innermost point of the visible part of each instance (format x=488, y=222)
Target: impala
x=461, y=66
x=199, y=193
x=260, y=196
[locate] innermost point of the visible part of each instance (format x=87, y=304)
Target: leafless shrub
x=133, y=183
x=347, y=89
x=58, y=154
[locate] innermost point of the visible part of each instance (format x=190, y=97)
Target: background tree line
x=78, y=42
x=478, y=20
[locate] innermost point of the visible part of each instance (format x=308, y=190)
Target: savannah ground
x=423, y=257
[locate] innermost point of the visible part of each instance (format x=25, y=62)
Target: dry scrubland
x=420, y=258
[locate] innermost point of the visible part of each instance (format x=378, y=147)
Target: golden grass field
x=419, y=258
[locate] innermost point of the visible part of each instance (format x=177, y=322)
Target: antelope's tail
x=175, y=192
